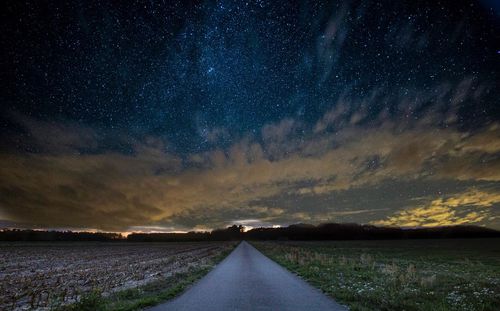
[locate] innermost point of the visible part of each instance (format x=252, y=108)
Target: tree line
x=42, y=235
x=304, y=232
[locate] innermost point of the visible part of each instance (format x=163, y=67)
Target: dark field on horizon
x=459, y=274
x=51, y=275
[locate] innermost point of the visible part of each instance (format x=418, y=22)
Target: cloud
x=292, y=172
x=333, y=116
x=469, y=207
x=279, y=131
x=330, y=43
x=214, y=135
x=56, y=137
x=114, y=191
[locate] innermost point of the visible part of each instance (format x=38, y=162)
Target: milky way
x=182, y=115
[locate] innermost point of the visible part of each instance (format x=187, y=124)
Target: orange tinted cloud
x=465, y=208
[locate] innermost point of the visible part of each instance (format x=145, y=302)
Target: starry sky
x=192, y=115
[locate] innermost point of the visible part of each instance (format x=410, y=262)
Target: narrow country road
x=248, y=280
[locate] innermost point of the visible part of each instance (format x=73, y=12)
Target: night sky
x=178, y=115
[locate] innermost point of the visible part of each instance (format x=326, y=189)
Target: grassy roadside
x=148, y=295
x=398, y=275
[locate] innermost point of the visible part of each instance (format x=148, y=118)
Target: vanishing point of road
x=248, y=280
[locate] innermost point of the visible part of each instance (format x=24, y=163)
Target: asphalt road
x=248, y=280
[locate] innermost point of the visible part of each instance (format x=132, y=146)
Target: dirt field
x=46, y=275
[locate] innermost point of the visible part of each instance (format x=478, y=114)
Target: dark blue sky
x=188, y=82
x=176, y=68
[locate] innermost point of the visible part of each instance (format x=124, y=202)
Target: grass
x=398, y=275
x=138, y=298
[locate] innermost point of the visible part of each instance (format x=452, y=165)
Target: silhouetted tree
x=39, y=235
x=330, y=231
